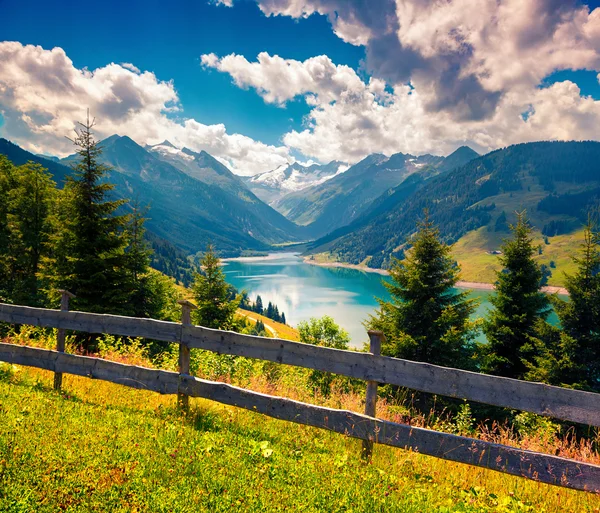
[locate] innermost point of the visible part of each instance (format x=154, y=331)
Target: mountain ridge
x=345, y=197
x=554, y=181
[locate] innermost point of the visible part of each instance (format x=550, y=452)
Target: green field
x=101, y=447
x=472, y=252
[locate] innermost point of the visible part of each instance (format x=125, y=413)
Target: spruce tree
x=211, y=292
x=146, y=289
x=570, y=354
x=89, y=251
x=512, y=327
x=7, y=170
x=28, y=194
x=427, y=319
x=258, y=306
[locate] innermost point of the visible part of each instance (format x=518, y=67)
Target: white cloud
x=278, y=80
x=462, y=55
x=350, y=119
x=42, y=94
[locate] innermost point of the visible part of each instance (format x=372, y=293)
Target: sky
x=259, y=83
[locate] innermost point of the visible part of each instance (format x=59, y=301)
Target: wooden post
x=183, y=401
x=375, y=339
x=60, y=335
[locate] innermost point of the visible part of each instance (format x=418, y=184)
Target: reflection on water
x=303, y=291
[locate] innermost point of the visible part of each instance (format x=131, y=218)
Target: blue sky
x=168, y=39
x=256, y=112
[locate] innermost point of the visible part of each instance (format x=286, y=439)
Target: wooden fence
x=561, y=403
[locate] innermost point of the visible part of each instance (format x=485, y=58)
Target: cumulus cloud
x=463, y=56
x=350, y=118
x=42, y=94
x=278, y=80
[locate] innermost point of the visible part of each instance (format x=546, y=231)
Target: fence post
x=375, y=339
x=183, y=401
x=65, y=295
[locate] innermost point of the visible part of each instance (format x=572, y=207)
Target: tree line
x=271, y=311
x=430, y=320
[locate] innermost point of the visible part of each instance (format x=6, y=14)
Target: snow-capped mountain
x=273, y=185
x=199, y=165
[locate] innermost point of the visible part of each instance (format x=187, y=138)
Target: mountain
x=556, y=182
x=191, y=213
x=183, y=210
x=19, y=156
x=273, y=185
x=201, y=166
x=345, y=197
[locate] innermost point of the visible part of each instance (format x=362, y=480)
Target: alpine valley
x=362, y=214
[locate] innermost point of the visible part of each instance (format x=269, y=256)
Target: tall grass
x=99, y=446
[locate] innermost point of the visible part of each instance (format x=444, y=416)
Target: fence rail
x=576, y=406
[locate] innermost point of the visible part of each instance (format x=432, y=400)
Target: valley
x=361, y=215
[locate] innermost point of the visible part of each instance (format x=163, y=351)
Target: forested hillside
x=556, y=182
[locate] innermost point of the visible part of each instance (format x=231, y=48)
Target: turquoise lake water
x=303, y=291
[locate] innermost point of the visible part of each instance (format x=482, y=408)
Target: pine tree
x=7, y=171
x=512, y=327
x=570, y=355
x=211, y=291
x=25, y=228
x=276, y=316
x=269, y=312
x=89, y=251
x=145, y=288
x=283, y=321
x=258, y=306
x=427, y=319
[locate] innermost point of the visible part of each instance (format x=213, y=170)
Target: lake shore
x=475, y=285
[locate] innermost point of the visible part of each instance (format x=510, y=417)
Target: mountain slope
x=201, y=166
x=346, y=197
x=190, y=212
x=273, y=185
x=482, y=193
x=19, y=156
x=182, y=210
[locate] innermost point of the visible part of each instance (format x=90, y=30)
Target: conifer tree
x=512, y=327
x=283, y=318
x=427, y=319
x=211, y=291
x=146, y=288
x=258, y=306
x=89, y=250
x=569, y=355
x=28, y=194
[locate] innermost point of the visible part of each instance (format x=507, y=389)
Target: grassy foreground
x=102, y=447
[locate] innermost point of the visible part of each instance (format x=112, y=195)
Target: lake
x=303, y=290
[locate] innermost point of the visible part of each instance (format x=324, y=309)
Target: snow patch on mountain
x=296, y=176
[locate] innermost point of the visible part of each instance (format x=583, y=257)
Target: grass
x=281, y=330
x=472, y=253
x=102, y=447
